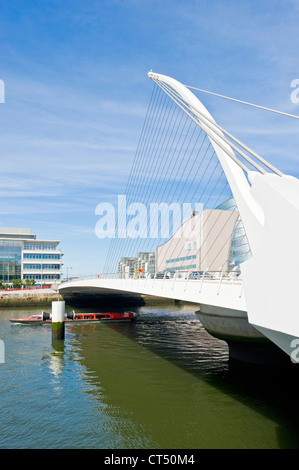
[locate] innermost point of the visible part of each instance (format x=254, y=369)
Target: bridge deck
x=226, y=294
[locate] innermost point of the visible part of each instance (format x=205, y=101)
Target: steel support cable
x=245, y=169
x=244, y=102
x=152, y=144
x=163, y=159
x=219, y=143
x=161, y=196
x=161, y=146
x=207, y=123
x=148, y=132
x=208, y=217
x=134, y=166
x=215, y=222
x=227, y=221
x=215, y=205
x=194, y=164
x=182, y=160
x=182, y=236
x=129, y=240
x=165, y=112
x=225, y=243
x=191, y=169
x=230, y=154
x=159, y=171
x=224, y=131
x=208, y=165
x=170, y=161
x=199, y=249
x=217, y=219
x=199, y=183
x=174, y=100
x=241, y=153
x=135, y=163
x=182, y=173
x=148, y=129
x=211, y=193
x=136, y=159
x=202, y=193
x=152, y=135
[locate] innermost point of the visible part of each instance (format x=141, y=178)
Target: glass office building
x=22, y=256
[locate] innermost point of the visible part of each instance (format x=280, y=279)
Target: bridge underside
x=223, y=316
x=94, y=296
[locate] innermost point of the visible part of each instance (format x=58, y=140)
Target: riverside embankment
x=26, y=297
x=43, y=297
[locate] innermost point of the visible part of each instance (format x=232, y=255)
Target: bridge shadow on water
x=174, y=333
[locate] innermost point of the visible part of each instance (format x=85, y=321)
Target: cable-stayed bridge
x=231, y=243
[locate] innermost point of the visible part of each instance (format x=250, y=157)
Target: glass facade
x=10, y=260
x=28, y=258
x=239, y=250
x=239, y=247
x=228, y=205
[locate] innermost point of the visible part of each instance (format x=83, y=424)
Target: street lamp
x=67, y=271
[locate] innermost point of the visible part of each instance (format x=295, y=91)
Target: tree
x=29, y=282
x=17, y=283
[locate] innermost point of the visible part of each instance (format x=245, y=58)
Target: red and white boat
x=72, y=317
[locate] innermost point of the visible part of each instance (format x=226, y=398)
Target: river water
x=161, y=382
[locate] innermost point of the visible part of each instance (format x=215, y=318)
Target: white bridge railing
x=155, y=279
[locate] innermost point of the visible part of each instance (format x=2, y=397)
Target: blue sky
x=77, y=92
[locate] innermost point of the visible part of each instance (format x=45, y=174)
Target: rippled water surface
x=159, y=383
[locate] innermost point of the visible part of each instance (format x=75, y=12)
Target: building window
x=184, y=258
x=40, y=256
x=32, y=266
x=39, y=246
x=181, y=268
x=51, y=266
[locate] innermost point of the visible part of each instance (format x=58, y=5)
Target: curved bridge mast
x=268, y=203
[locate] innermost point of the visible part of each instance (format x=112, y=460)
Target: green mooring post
x=58, y=319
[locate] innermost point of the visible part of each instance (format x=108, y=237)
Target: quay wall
x=23, y=298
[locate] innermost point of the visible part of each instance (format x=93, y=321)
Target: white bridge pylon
x=268, y=204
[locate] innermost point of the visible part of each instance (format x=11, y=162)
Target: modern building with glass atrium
x=212, y=240
x=22, y=256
